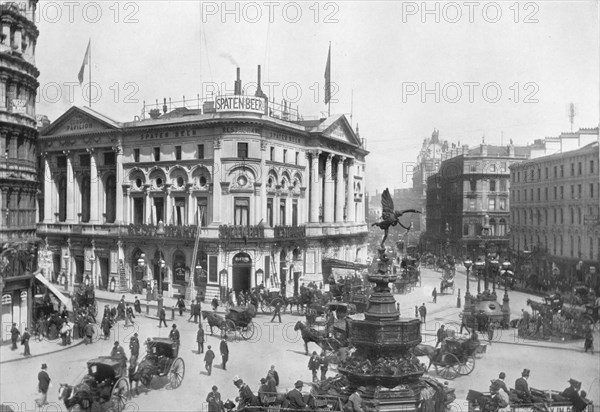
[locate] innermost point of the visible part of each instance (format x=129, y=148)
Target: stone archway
x=241, y=264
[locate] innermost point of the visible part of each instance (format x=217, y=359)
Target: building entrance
x=241, y=272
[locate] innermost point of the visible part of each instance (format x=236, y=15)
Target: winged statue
x=389, y=216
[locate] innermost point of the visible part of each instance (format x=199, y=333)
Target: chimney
x=164, y=105
x=237, y=88
x=259, y=92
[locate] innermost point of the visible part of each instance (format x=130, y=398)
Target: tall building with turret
x=18, y=154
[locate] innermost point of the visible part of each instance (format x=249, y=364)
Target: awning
x=64, y=299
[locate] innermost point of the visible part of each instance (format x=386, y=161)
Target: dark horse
x=215, y=320
x=310, y=335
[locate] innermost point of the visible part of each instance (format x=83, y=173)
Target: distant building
x=555, y=207
x=18, y=162
x=271, y=195
x=468, y=201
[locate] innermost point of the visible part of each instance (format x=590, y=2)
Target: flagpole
x=90, y=80
x=329, y=102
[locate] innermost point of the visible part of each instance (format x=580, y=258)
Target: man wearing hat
x=43, y=385
x=246, y=396
x=313, y=364
x=224, y=349
x=174, y=334
x=295, y=398
x=119, y=353
x=25, y=342
x=208, y=360
x=354, y=403
x=215, y=404
x=522, y=387
x=200, y=339
x=500, y=382
x=14, y=336
x=572, y=394
x=134, y=348
x=499, y=397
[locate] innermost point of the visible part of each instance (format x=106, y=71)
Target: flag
x=328, y=77
x=85, y=61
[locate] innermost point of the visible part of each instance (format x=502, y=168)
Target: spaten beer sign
x=239, y=103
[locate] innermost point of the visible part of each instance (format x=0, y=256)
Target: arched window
x=179, y=267
x=111, y=199
x=502, y=228
x=492, y=227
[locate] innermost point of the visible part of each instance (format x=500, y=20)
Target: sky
x=473, y=70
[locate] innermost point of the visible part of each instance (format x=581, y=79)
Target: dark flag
x=85, y=61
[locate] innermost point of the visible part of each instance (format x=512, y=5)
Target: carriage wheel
x=247, y=331
x=120, y=394
x=448, y=367
x=466, y=367
x=176, y=373
x=228, y=327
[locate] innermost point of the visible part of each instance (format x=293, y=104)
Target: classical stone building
x=468, y=201
x=555, y=208
x=270, y=194
x=18, y=160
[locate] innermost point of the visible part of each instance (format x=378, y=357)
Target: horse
x=215, y=320
x=143, y=373
x=309, y=335
x=76, y=397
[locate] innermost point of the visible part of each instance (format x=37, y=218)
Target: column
x=328, y=195
x=168, y=215
x=70, y=189
x=148, y=201
x=48, y=195
x=350, y=215
x=216, y=183
x=314, y=187
x=191, y=207
x=94, y=188
x=339, y=196
x=18, y=39
x=119, y=177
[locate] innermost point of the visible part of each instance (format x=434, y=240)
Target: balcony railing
x=241, y=232
x=289, y=231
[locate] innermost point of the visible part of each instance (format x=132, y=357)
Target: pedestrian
x=174, y=334
x=106, y=325
x=277, y=311
x=224, y=349
x=313, y=365
x=200, y=339
x=134, y=347
x=295, y=397
x=43, y=385
x=208, y=360
x=246, y=396
x=423, y=312
x=137, y=305
x=525, y=317
x=490, y=332
x=162, y=318
x=118, y=352
x=324, y=365
x=434, y=294
x=181, y=305
x=192, y=311
x=215, y=404
x=589, y=339
x=14, y=336
x=89, y=332
x=354, y=403
x=121, y=308
x=441, y=335
x=129, y=315
x=215, y=303
x=272, y=374
x=25, y=342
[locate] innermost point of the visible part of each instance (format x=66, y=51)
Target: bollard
x=147, y=308
x=458, y=301
x=172, y=313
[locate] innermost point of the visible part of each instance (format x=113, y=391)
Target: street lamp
x=162, y=264
x=447, y=232
x=479, y=265
x=68, y=280
x=468, y=263
x=92, y=260
x=494, y=265
x=87, y=280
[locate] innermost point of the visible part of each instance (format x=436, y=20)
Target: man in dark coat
x=25, y=343
x=208, y=360
x=192, y=311
x=134, y=347
x=572, y=394
x=224, y=349
x=215, y=404
x=200, y=339
x=423, y=312
x=174, y=334
x=313, y=365
x=295, y=398
x=43, y=385
x=137, y=305
x=162, y=318
x=324, y=366
x=180, y=305
x=121, y=308
x=277, y=311
x=105, y=325
x=522, y=387
x=441, y=335
x=434, y=294
x=246, y=396
x=14, y=336
x=119, y=353
x=215, y=303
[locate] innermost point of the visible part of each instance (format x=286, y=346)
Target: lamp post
x=92, y=260
x=494, y=265
x=68, y=280
x=162, y=264
x=468, y=263
x=87, y=280
x=479, y=265
x=447, y=232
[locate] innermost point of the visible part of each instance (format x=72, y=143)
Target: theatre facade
x=248, y=188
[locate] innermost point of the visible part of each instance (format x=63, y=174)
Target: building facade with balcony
x=468, y=202
x=264, y=194
x=555, y=209
x=18, y=160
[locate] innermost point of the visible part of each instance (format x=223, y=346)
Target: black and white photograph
x=317, y=206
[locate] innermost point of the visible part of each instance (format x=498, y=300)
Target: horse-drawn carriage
x=269, y=298
x=85, y=298
x=237, y=319
x=161, y=359
x=456, y=357
x=104, y=387
x=552, y=402
x=447, y=281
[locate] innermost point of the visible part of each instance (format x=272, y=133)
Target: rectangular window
x=562, y=192
x=492, y=185
x=267, y=267
x=579, y=168
x=562, y=170
x=545, y=193
x=242, y=150
x=282, y=212
x=241, y=210
x=491, y=204
x=213, y=276
x=530, y=194
x=297, y=158
x=572, y=191
x=555, y=216
x=562, y=217
x=473, y=185
x=138, y=210
x=294, y=212
x=84, y=160
x=502, y=204
x=579, y=191
x=179, y=211
x=572, y=169
x=284, y=155
x=525, y=195
x=270, y=211
x=546, y=172
x=555, y=193
x=591, y=190
x=157, y=154
x=591, y=166
x=177, y=152
x=202, y=215
x=272, y=154
x=518, y=195
x=539, y=193
x=136, y=155
x=200, y=151
x=555, y=172
x=109, y=158
x=502, y=185
x=61, y=161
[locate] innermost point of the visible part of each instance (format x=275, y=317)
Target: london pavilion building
x=264, y=194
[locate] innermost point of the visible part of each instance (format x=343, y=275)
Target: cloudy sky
x=503, y=70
